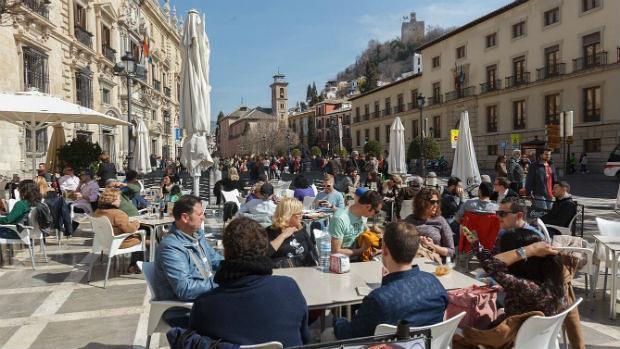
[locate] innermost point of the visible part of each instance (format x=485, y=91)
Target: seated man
x=88, y=191
x=129, y=190
x=263, y=204
x=482, y=204
x=69, y=181
x=501, y=190
x=251, y=305
x=329, y=197
x=349, y=222
x=184, y=263
x=563, y=209
x=451, y=202
x=512, y=213
x=406, y=292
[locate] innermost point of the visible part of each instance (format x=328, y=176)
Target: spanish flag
x=145, y=50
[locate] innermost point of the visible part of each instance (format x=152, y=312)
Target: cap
x=266, y=190
x=86, y=172
x=361, y=191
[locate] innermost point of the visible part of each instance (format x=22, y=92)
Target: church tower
x=279, y=97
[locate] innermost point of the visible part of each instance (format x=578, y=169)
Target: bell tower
x=279, y=97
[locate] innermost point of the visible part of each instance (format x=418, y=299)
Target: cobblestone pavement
x=54, y=307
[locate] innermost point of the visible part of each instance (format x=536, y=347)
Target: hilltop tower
x=413, y=30
x=279, y=97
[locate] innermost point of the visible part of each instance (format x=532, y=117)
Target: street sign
x=454, y=137
x=178, y=135
x=515, y=139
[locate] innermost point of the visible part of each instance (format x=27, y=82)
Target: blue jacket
x=253, y=309
x=176, y=275
x=415, y=296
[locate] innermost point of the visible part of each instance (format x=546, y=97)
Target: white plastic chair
x=308, y=202
x=406, y=208
x=156, y=324
x=585, y=250
x=268, y=345
x=605, y=228
x=441, y=333
x=565, y=230
x=288, y=193
x=541, y=332
x=231, y=196
x=24, y=238
x=106, y=243
x=11, y=203
x=36, y=233
x=314, y=189
x=543, y=229
x=617, y=205
x=83, y=219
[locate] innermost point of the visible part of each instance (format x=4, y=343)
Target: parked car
x=612, y=167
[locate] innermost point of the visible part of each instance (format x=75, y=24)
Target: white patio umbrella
x=141, y=161
x=397, y=161
x=35, y=111
x=195, y=97
x=465, y=164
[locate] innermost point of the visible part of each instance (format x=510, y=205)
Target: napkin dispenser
x=339, y=263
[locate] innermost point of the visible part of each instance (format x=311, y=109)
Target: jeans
x=6, y=233
x=542, y=203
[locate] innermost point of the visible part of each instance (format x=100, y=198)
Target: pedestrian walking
x=583, y=163
x=516, y=173
x=540, y=179
x=500, y=167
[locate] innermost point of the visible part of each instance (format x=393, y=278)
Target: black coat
x=107, y=170
x=562, y=212
x=535, y=182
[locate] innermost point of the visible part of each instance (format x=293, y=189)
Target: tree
x=79, y=154
x=316, y=151
x=430, y=145
x=342, y=152
x=309, y=94
x=220, y=115
x=372, y=147
x=371, y=74
x=296, y=152
x=312, y=139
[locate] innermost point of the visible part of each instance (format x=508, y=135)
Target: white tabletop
x=154, y=221
x=611, y=242
x=329, y=289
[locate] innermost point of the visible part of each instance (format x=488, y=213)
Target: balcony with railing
x=461, y=93
x=366, y=117
x=590, y=61
x=399, y=109
x=490, y=86
x=518, y=80
x=39, y=7
x=157, y=85
x=356, y=118
x=412, y=106
x=108, y=52
x=375, y=114
x=167, y=91
x=550, y=71
x=386, y=112
x=83, y=36
x=435, y=100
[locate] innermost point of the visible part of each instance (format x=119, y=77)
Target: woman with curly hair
x=434, y=230
x=242, y=310
x=30, y=196
x=290, y=245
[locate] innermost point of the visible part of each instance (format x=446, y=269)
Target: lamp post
x=421, y=100
x=288, y=143
x=128, y=69
x=265, y=143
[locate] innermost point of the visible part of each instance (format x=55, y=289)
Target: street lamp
x=421, y=100
x=288, y=143
x=128, y=69
x=265, y=143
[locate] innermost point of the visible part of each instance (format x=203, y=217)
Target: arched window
x=281, y=92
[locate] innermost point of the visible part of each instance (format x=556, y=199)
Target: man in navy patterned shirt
x=406, y=292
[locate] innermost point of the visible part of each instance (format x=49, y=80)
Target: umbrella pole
x=196, y=190
x=33, y=135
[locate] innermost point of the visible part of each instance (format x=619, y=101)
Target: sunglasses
x=503, y=213
x=433, y=202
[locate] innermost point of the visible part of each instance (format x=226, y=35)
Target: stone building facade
x=514, y=70
x=330, y=114
x=413, y=30
x=69, y=50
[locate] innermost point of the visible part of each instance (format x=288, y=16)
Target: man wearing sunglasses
x=329, y=197
x=349, y=222
x=511, y=216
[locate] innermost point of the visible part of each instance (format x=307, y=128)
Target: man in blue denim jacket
x=406, y=293
x=184, y=263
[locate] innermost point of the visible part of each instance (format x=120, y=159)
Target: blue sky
x=308, y=40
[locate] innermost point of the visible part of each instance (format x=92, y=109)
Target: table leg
x=153, y=243
x=614, y=294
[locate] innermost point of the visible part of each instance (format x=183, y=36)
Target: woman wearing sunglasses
x=435, y=233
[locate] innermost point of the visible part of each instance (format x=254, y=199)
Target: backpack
x=43, y=215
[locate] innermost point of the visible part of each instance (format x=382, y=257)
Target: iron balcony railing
x=38, y=7
x=83, y=36
x=590, y=61
x=490, y=86
x=438, y=99
x=157, y=85
x=375, y=114
x=518, y=80
x=386, y=112
x=167, y=91
x=38, y=79
x=461, y=93
x=108, y=52
x=366, y=117
x=399, y=109
x=550, y=71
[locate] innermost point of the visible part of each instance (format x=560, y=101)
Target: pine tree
x=220, y=115
x=309, y=93
x=371, y=74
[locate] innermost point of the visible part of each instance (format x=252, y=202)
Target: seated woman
x=109, y=202
x=302, y=188
x=242, y=309
x=391, y=190
x=175, y=193
x=434, y=230
x=30, y=196
x=166, y=185
x=290, y=244
x=373, y=182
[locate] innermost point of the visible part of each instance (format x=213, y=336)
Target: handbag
x=479, y=303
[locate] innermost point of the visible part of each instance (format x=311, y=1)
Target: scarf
x=233, y=269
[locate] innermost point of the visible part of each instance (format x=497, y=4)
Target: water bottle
x=325, y=250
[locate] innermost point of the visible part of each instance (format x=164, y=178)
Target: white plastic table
x=154, y=224
x=612, y=246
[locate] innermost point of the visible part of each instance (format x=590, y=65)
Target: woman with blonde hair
x=109, y=202
x=290, y=246
x=230, y=183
